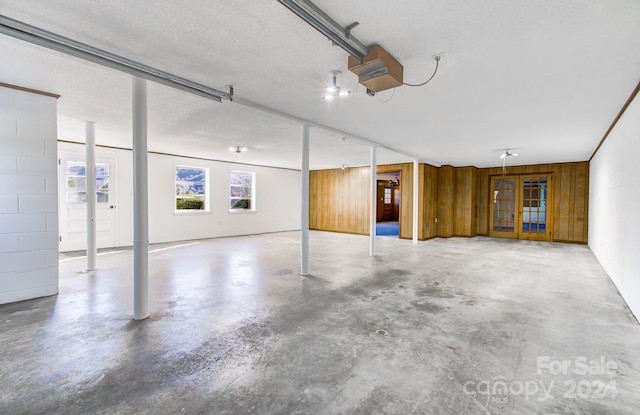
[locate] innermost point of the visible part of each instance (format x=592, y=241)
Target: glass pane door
x=72, y=200
x=503, y=207
x=533, y=223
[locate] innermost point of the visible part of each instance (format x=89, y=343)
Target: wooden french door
x=521, y=206
x=504, y=207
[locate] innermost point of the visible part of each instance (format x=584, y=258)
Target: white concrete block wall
x=614, y=206
x=8, y=203
x=8, y=165
x=28, y=196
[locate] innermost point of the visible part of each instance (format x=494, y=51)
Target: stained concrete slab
x=448, y=326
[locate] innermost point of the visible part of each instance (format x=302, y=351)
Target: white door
x=73, y=202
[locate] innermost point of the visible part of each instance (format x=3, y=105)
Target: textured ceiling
x=545, y=79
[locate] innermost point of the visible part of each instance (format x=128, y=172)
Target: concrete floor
x=450, y=326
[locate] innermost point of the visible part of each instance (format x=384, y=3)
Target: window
x=242, y=191
x=191, y=188
x=77, y=182
x=534, y=193
x=387, y=195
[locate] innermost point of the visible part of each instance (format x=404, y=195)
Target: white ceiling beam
x=302, y=121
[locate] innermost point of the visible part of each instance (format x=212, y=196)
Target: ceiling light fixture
x=237, y=149
x=334, y=90
x=507, y=154
x=504, y=156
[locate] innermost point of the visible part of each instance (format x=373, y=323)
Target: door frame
x=518, y=220
x=399, y=174
x=504, y=234
x=64, y=156
x=548, y=235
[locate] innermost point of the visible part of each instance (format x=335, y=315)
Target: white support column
x=140, y=202
x=304, y=212
x=90, y=183
x=374, y=202
x=416, y=174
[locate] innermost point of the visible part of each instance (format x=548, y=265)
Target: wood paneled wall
x=571, y=193
x=570, y=198
x=428, y=201
x=446, y=201
x=457, y=196
x=339, y=199
x=465, y=221
x=457, y=201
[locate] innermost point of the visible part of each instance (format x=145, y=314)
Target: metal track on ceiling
x=32, y=34
x=322, y=22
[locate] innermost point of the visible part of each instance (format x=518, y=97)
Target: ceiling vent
x=378, y=70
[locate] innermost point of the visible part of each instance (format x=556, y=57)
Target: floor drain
x=382, y=332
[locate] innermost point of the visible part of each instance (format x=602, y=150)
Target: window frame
x=206, y=187
x=99, y=179
x=252, y=198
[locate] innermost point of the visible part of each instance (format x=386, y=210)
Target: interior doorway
x=388, y=204
x=520, y=206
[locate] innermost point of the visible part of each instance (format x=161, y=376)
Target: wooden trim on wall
x=97, y=145
x=615, y=120
x=32, y=91
x=347, y=232
x=525, y=174
x=178, y=155
x=562, y=241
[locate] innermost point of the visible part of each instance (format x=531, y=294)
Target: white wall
x=278, y=196
x=277, y=199
x=614, y=206
x=28, y=196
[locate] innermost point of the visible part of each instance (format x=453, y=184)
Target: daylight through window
x=242, y=191
x=191, y=188
x=77, y=182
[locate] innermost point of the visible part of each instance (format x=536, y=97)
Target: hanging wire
x=437, y=58
x=388, y=99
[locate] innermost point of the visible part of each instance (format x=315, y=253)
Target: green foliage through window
x=191, y=188
x=189, y=204
x=242, y=204
x=242, y=190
